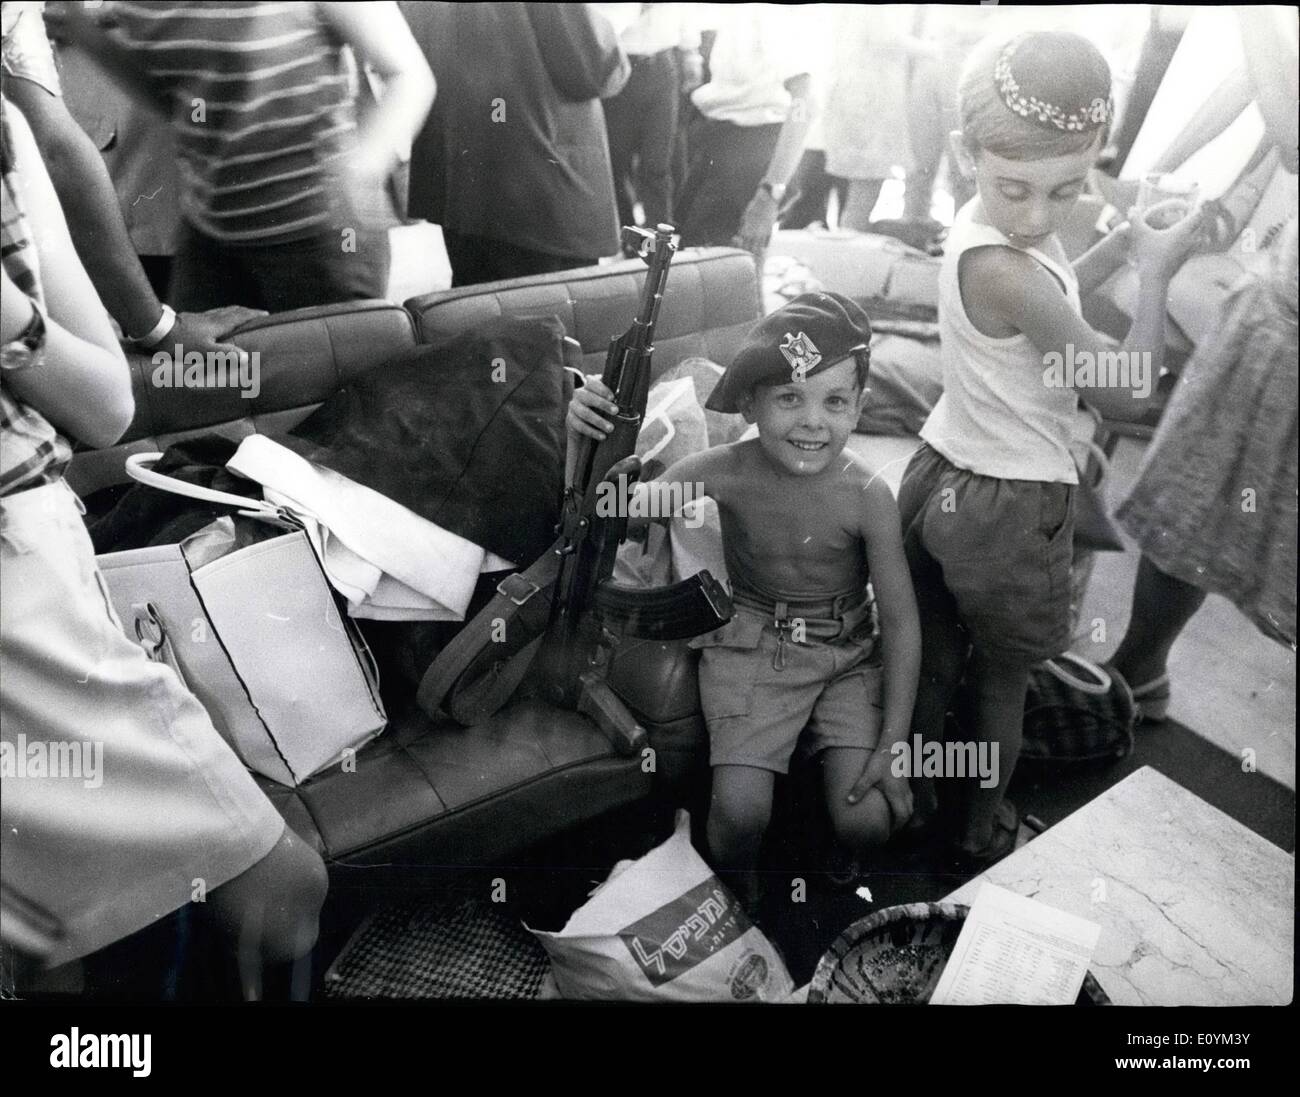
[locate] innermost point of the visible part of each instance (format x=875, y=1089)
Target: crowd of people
x=251, y=158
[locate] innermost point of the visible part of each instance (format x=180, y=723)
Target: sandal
x=1006, y=830
x=1152, y=699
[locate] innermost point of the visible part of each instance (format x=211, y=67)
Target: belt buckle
x=517, y=588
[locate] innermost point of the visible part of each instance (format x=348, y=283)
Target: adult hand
x=692, y=71
x=878, y=773
x=205, y=332
x=757, y=223
x=362, y=180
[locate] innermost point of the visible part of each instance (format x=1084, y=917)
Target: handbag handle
x=1097, y=688
x=139, y=466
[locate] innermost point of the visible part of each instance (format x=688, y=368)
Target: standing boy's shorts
x=120, y=799
x=763, y=698
x=1001, y=548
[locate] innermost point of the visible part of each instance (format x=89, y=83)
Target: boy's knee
x=864, y=825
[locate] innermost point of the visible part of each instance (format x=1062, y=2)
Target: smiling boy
x=805, y=525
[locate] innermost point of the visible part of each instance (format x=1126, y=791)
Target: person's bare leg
x=271, y=913
x=998, y=686
x=1162, y=606
x=739, y=812
x=863, y=194
x=943, y=658
x=862, y=826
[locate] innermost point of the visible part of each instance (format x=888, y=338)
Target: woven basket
x=895, y=957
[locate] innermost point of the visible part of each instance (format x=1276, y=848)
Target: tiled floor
x=1231, y=684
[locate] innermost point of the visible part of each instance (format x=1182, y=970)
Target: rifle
x=565, y=607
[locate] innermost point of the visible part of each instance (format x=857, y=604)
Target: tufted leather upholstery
x=436, y=794
x=712, y=296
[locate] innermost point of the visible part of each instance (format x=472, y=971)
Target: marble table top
x=1194, y=908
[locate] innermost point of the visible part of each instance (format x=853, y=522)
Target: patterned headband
x=1095, y=114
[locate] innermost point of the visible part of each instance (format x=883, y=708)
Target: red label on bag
x=686, y=932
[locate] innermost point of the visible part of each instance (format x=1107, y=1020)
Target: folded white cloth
x=388, y=562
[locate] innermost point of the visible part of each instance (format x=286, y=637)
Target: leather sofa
x=428, y=794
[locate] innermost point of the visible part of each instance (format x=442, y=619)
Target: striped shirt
x=32, y=452
x=262, y=101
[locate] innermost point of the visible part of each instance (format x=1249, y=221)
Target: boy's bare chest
x=799, y=521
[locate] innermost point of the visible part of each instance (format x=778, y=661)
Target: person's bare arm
x=1269, y=40
x=1219, y=111
x=90, y=202
x=1005, y=286
x=760, y=215
x=1103, y=259
x=82, y=385
x=900, y=641
x=382, y=39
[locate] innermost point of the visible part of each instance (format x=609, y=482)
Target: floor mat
x=464, y=948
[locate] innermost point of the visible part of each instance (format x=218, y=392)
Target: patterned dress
x=1215, y=500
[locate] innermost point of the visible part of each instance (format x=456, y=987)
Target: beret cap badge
x=806, y=336
x=801, y=352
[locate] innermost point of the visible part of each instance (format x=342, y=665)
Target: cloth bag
x=255, y=634
x=663, y=928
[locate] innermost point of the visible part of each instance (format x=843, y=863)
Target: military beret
x=810, y=334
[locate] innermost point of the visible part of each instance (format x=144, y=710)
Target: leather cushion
x=442, y=794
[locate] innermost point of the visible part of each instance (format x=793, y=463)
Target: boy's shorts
x=121, y=802
x=1001, y=548
x=826, y=694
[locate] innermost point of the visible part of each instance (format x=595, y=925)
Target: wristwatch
x=776, y=190
x=25, y=351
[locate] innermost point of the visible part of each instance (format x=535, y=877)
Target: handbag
x=255, y=633
x=1077, y=713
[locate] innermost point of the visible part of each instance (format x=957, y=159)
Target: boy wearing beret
x=805, y=525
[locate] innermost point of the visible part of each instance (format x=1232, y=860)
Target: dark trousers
x=812, y=186
x=319, y=270
x=727, y=163
x=642, y=122
x=476, y=259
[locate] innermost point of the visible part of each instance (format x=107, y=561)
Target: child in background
x=987, y=503
x=804, y=524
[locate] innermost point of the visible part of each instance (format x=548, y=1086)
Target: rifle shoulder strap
x=475, y=674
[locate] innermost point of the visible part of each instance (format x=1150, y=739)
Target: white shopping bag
x=663, y=928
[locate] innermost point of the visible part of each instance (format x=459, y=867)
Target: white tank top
x=996, y=417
